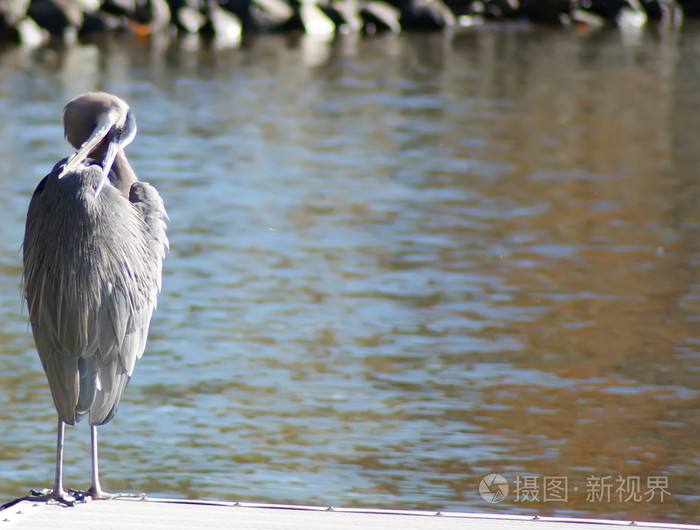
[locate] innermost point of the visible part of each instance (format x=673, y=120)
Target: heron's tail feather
x=88, y=386
x=105, y=405
x=60, y=370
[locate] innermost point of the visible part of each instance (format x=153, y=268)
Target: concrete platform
x=154, y=514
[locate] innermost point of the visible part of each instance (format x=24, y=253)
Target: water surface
x=398, y=264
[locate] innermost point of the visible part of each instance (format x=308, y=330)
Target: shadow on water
x=398, y=264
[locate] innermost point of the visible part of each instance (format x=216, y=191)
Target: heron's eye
x=120, y=130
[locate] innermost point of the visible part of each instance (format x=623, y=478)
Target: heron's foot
x=68, y=498
x=98, y=494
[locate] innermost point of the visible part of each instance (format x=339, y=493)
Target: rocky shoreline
x=33, y=21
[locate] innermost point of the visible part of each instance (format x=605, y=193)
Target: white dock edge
x=172, y=514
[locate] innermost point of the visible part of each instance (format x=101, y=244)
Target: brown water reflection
x=399, y=264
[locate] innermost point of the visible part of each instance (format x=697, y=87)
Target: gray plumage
x=93, y=250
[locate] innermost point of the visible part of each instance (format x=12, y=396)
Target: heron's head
x=98, y=125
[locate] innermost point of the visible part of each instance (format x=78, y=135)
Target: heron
x=93, y=249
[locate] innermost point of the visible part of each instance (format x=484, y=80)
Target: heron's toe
x=100, y=494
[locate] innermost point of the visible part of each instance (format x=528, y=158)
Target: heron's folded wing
x=149, y=204
x=116, y=354
x=125, y=320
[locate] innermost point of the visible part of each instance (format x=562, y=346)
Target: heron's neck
x=122, y=175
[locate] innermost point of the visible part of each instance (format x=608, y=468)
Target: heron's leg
x=96, y=491
x=58, y=493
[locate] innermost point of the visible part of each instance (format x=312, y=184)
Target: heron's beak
x=102, y=129
x=112, y=150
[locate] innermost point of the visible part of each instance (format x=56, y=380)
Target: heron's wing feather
x=111, y=326
x=110, y=377
x=123, y=329
x=61, y=371
x=41, y=281
x=149, y=204
x=135, y=338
